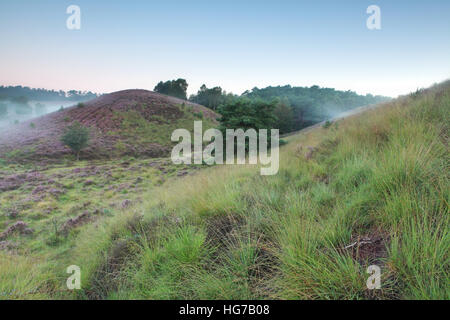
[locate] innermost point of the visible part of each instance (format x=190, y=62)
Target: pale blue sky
x=235, y=44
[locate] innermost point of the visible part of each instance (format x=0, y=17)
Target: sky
x=237, y=45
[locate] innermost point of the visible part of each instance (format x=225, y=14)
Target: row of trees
x=27, y=93
x=208, y=97
x=21, y=109
x=212, y=98
x=175, y=88
x=293, y=107
x=299, y=107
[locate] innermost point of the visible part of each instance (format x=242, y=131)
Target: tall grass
x=229, y=233
x=384, y=172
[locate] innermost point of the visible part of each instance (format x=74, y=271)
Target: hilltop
x=128, y=122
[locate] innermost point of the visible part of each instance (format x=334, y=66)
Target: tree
x=313, y=104
x=175, y=88
x=284, y=115
x=76, y=137
x=244, y=113
x=210, y=98
x=11, y=93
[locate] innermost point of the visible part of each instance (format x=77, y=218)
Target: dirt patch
x=222, y=229
x=368, y=249
x=105, y=279
x=371, y=249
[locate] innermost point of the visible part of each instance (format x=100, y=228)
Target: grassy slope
x=228, y=232
x=134, y=123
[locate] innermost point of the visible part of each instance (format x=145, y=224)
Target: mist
x=12, y=113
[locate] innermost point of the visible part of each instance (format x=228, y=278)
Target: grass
x=137, y=130
x=229, y=233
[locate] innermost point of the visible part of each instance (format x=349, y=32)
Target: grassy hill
x=369, y=189
x=130, y=122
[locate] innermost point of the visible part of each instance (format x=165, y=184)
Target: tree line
x=24, y=94
x=291, y=108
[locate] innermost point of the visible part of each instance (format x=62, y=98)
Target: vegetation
x=138, y=131
x=247, y=114
x=296, y=107
x=284, y=116
x=243, y=113
x=76, y=137
x=311, y=105
x=369, y=189
x=327, y=124
x=244, y=236
x=211, y=98
x=175, y=88
x=21, y=93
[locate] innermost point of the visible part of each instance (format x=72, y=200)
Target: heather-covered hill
x=129, y=122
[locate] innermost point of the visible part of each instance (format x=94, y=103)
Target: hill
x=129, y=122
x=373, y=192
x=370, y=189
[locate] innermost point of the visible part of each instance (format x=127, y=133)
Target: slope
x=129, y=122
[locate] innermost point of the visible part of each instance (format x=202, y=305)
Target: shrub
x=76, y=137
x=327, y=124
x=198, y=115
x=80, y=105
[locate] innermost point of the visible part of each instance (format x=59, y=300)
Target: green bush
x=198, y=115
x=327, y=124
x=76, y=137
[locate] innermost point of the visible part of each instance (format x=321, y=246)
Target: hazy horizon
x=235, y=45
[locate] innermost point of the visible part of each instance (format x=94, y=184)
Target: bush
x=76, y=137
x=198, y=115
x=327, y=124
x=80, y=105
